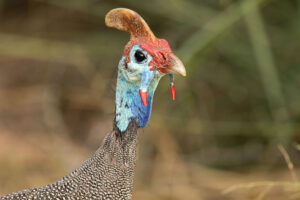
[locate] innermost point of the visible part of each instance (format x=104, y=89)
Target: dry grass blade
x=288, y=162
x=291, y=188
x=264, y=192
x=248, y=186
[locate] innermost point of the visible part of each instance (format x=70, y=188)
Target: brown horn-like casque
x=127, y=20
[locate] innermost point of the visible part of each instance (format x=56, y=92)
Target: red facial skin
x=143, y=96
x=173, y=92
x=159, y=49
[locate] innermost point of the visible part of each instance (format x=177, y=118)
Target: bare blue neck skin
x=128, y=102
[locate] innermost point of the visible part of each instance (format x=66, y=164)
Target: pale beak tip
x=175, y=66
x=179, y=70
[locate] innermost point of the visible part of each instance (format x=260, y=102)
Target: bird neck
x=129, y=106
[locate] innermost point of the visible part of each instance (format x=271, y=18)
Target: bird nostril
x=164, y=57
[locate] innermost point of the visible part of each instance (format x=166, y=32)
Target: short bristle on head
x=127, y=20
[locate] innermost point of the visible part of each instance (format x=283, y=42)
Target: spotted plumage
x=109, y=173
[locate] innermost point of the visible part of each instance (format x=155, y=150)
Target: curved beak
x=175, y=66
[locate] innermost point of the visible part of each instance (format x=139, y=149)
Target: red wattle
x=143, y=96
x=173, y=92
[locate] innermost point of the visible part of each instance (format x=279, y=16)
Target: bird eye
x=139, y=56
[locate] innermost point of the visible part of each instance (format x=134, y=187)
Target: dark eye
x=139, y=56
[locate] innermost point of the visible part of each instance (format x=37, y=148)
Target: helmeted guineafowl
x=108, y=174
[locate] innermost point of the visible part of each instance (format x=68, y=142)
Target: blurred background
x=232, y=132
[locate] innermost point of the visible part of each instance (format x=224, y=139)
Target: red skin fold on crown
x=159, y=49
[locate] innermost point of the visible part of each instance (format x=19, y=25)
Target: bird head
x=145, y=60
x=146, y=57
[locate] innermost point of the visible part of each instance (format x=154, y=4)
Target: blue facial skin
x=136, y=76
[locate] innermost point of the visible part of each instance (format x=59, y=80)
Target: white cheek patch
x=133, y=72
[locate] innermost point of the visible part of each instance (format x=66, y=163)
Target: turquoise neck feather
x=128, y=102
